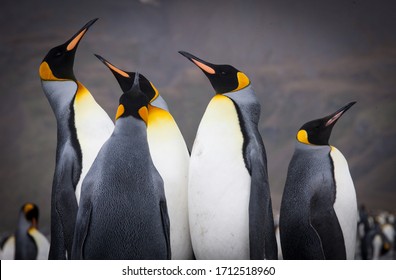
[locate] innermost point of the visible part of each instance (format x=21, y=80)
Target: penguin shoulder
x=247, y=103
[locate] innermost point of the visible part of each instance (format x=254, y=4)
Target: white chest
x=219, y=185
x=93, y=127
x=345, y=204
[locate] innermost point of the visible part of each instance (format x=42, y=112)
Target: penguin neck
x=247, y=103
x=130, y=127
x=60, y=95
x=309, y=147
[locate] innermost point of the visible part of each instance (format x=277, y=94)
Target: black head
x=126, y=80
x=317, y=132
x=59, y=61
x=31, y=213
x=134, y=101
x=224, y=78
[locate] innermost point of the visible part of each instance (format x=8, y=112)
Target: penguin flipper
x=261, y=222
x=57, y=245
x=166, y=226
x=63, y=216
x=324, y=221
x=81, y=231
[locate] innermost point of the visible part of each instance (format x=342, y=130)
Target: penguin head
x=30, y=213
x=136, y=96
x=133, y=103
x=317, y=132
x=59, y=61
x=224, y=78
x=126, y=80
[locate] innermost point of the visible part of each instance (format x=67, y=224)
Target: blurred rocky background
x=305, y=59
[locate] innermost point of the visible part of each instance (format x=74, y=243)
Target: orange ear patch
x=27, y=207
x=143, y=113
x=120, y=111
x=243, y=81
x=302, y=136
x=204, y=67
x=46, y=73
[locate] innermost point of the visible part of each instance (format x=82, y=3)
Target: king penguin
x=123, y=212
x=318, y=215
x=28, y=243
x=171, y=158
x=82, y=128
x=229, y=200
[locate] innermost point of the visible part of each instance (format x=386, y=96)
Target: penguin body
x=318, y=216
x=230, y=208
x=170, y=156
x=82, y=128
x=28, y=243
x=123, y=212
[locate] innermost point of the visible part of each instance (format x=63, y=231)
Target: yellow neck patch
x=120, y=111
x=82, y=92
x=243, y=81
x=302, y=136
x=219, y=97
x=46, y=73
x=158, y=115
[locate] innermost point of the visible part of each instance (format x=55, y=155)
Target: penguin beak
x=72, y=43
x=124, y=78
x=113, y=69
x=332, y=119
x=206, y=67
